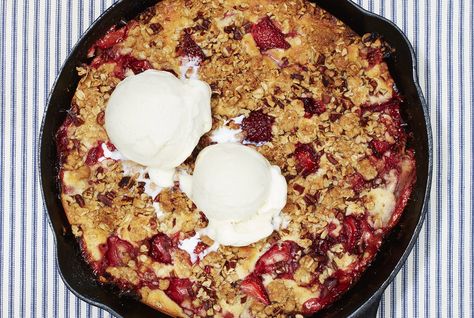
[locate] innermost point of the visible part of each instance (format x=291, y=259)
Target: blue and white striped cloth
x=35, y=38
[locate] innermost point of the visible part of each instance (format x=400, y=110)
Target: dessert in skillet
x=234, y=158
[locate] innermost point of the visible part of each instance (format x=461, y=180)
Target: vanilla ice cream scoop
x=238, y=190
x=156, y=119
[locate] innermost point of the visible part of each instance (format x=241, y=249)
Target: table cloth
x=35, y=38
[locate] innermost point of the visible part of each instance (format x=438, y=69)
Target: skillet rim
x=372, y=302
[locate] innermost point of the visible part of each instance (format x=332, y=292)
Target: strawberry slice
x=137, y=66
x=123, y=63
x=280, y=259
x=112, y=37
x=307, y=160
x=312, y=106
x=94, y=154
x=200, y=247
x=357, y=181
x=160, y=249
x=128, y=62
x=351, y=233
x=332, y=287
x=180, y=291
x=110, y=146
x=253, y=286
x=258, y=126
x=268, y=36
x=106, y=56
x=313, y=305
x=379, y=147
x=119, y=252
x=189, y=48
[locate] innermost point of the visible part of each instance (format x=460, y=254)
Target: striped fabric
x=35, y=38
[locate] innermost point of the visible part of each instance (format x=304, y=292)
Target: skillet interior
x=361, y=300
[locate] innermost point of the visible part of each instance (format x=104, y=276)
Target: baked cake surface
x=288, y=79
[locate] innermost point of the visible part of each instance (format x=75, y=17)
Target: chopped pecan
x=156, y=28
x=79, y=200
x=126, y=182
x=107, y=198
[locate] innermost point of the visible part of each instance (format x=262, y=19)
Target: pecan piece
x=156, y=28
x=126, y=182
x=107, y=198
x=79, y=200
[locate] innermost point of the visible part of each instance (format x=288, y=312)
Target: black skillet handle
x=369, y=310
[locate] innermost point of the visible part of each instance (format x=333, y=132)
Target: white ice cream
x=156, y=120
x=239, y=192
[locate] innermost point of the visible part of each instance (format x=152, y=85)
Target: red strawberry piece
x=98, y=61
x=268, y=36
x=357, y=181
x=307, y=160
x=160, y=249
x=258, y=126
x=128, y=62
x=180, y=291
x=374, y=57
x=312, y=305
x=312, y=106
x=320, y=246
x=110, y=146
x=94, y=154
x=351, y=233
x=280, y=259
x=119, y=252
x=111, y=38
x=253, y=286
x=330, y=289
x=137, y=66
x=379, y=147
x=200, y=247
x=189, y=48
x=388, y=162
x=123, y=63
x=106, y=56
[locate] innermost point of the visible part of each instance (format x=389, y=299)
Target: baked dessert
x=288, y=80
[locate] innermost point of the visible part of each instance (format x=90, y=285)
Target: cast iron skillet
x=363, y=298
